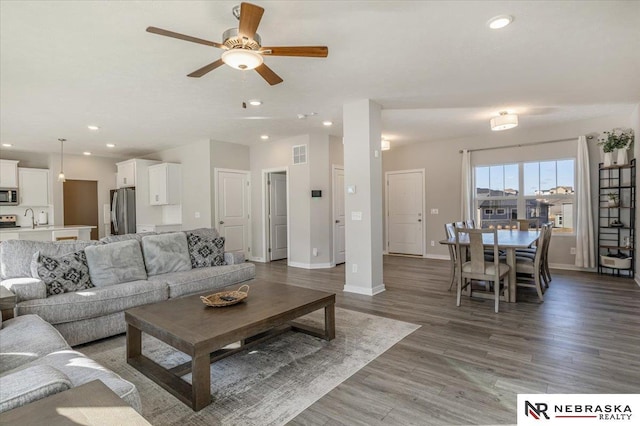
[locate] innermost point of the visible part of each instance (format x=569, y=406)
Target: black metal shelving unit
x=616, y=222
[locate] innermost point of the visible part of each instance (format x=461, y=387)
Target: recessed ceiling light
x=7, y=145
x=264, y=137
x=93, y=127
x=327, y=123
x=255, y=102
x=302, y=116
x=111, y=145
x=86, y=153
x=500, y=21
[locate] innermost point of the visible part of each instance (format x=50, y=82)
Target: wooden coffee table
x=201, y=331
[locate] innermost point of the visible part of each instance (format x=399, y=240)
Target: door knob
x=337, y=221
x=221, y=222
x=419, y=220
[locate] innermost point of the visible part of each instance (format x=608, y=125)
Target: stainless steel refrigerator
x=123, y=211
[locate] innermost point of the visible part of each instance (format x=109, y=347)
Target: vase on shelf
x=608, y=159
x=622, y=157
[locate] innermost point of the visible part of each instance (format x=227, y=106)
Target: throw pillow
x=115, y=263
x=64, y=274
x=165, y=253
x=205, y=251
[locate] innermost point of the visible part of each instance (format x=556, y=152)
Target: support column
x=363, y=197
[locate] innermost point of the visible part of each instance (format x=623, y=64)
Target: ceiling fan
x=242, y=48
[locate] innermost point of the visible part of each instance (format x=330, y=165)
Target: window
x=543, y=190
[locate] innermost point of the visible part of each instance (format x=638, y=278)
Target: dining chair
x=471, y=224
x=547, y=231
x=479, y=269
x=449, y=229
x=533, y=265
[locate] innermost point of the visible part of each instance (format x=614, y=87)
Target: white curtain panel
x=467, y=187
x=585, y=255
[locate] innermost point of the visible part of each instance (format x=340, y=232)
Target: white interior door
x=338, y=216
x=278, y=216
x=404, y=212
x=233, y=209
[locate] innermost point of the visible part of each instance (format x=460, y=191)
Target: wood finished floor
x=466, y=365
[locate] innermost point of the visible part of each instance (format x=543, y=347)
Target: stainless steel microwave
x=8, y=196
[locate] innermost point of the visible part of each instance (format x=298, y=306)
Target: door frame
x=265, y=214
x=386, y=208
x=216, y=217
x=334, y=168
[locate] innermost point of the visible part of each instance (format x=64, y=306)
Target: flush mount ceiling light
x=500, y=21
x=327, y=123
x=264, y=137
x=111, y=145
x=93, y=128
x=242, y=59
x=385, y=145
x=61, y=177
x=504, y=121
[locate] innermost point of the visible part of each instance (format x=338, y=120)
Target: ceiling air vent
x=299, y=154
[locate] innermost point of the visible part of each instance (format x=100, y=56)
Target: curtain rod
x=524, y=144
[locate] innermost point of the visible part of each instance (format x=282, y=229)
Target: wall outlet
x=434, y=211
x=433, y=243
x=572, y=250
x=197, y=215
x=354, y=268
x=315, y=251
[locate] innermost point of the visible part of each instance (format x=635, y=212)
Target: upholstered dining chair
x=479, y=269
x=450, y=232
x=471, y=224
x=547, y=231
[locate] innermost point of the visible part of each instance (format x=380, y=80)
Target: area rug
x=268, y=384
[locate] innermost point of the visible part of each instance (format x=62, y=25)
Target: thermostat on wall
x=316, y=193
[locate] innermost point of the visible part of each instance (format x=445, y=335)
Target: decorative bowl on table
x=226, y=298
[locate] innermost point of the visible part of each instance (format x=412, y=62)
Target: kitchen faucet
x=33, y=220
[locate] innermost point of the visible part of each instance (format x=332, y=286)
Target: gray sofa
x=36, y=362
x=121, y=279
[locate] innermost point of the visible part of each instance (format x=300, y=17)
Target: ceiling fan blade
x=207, y=68
x=179, y=36
x=268, y=74
x=250, y=16
x=308, y=51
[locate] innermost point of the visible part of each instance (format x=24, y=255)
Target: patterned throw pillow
x=66, y=273
x=205, y=251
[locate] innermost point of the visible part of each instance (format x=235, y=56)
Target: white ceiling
x=435, y=67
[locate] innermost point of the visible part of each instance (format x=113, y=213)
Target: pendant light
x=61, y=177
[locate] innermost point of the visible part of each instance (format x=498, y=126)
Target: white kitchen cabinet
x=33, y=185
x=8, y=174
x=165, y=181
x=158, y=228
x=126, y=174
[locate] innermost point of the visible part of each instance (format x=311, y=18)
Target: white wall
x=441, y=161
x=309, y=219
x=196, y=181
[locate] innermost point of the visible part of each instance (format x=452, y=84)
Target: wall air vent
x=299, y=153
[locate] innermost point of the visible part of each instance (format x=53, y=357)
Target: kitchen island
x=44, y=233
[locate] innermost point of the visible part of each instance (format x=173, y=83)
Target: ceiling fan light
x=242, y=59
x=385, y=145
x=504, y=121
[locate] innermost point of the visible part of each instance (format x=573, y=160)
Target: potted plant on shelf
x=613, y=199
x=617, y=139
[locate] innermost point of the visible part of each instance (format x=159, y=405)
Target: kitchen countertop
x=46, y=228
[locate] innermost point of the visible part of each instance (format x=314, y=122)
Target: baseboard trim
x=437, y=256
x=310, y=265
x=361, y=290
x=565, y=267
x=257, y=259
x=637, y=279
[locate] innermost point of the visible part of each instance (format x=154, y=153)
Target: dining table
x=509, y=240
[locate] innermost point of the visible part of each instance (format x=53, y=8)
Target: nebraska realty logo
x=582, y=409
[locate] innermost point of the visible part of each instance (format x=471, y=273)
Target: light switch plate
x=434, y=211
x=356, y=215
x=351, y=189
